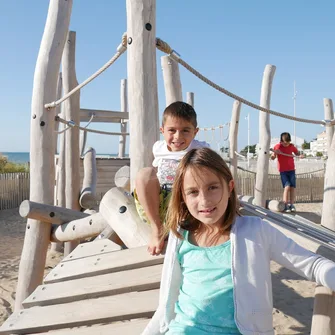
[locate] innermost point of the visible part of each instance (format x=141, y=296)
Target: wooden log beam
x=42, y=146
x=122, y=178
x=272, y=205
x=87, y=198
x=123, y=125
x=264, y=138
x=142, y=83
x=75, y=230
x=48, y=213
x=102, y=115
x=118, y=209
x=233, y=138
x=171, y=77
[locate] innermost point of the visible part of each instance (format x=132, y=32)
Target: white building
x=319, y=145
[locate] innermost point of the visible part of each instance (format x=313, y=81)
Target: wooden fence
x=309, y=185
x=14, y=187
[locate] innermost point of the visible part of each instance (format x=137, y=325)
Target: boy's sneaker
x=288, y=208
x=293, y=208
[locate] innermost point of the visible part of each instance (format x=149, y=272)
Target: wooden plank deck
x=105, y=296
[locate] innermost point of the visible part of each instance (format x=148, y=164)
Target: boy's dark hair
x=285, y=137
x=181, y=110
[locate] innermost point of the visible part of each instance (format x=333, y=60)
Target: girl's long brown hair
x=178, y=214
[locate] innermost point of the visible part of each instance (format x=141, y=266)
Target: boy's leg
x=286, y=186
x=292, y=189
x=148, y=190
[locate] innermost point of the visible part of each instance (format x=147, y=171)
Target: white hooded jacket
x=254, y=244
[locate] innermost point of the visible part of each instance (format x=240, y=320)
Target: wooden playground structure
x=111, y=285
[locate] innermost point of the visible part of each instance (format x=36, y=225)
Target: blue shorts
x=288, y=178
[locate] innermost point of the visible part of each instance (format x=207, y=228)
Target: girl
x=216, y=276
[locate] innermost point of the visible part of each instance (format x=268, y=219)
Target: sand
x=292, y=295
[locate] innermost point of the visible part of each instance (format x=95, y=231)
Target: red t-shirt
x=285, y=163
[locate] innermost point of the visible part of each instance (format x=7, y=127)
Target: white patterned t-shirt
x=167, y=161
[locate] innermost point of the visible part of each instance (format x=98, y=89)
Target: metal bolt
x=52, y=214
x=91, y=221
x=42, y=123
x=28, y=226
x=34, y=116
x=122, y=209
x=130, y=40
x=74, y=228
x=148, y=26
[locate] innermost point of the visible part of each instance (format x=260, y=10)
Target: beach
x=293, y=296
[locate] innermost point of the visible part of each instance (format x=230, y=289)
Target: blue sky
x=229, y=41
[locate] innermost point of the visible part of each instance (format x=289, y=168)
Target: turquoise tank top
x=205, y=304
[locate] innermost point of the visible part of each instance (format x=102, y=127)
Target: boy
x=153, y=184
x=283, y=151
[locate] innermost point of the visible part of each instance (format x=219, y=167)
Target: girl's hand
x=156, y=244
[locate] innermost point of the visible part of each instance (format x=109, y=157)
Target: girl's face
x=206, y=196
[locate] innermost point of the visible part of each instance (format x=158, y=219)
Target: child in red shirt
x=283, y=152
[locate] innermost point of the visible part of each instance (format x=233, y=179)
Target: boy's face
x=178, y=133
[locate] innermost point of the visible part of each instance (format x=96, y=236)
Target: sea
x=23, y=157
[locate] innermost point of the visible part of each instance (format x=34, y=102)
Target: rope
x=71, y=124
x=163, y=46
x=283, y=154
x=62, y=131
x=121, y=49
x=89, y=121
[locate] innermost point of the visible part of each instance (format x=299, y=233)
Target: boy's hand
x=156, y=244
x=302, y=156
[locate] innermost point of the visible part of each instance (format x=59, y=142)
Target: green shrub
x=10, y=167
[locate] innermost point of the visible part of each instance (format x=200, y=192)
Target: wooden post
x=71, y=111
x=57, y=247
x=264, y=138
x=61, y=172
x=329, y=115
x=323, y=321
x=124, y=109
x=87, y=198
x=42, y=146
x=171, y=79
x=233, y=134
x=58, y=108
x=190, y=98
x=142, y=83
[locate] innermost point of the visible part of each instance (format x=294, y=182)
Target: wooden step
x=125, y=328
x=142, y=279
x=94, y=248
x=81, y=313
x=106, y=263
